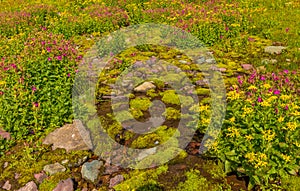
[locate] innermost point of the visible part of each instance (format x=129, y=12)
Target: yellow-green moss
x=170, y=97
x=139, y=178
x=172, y=113
x=140, y=103
x=28, y=161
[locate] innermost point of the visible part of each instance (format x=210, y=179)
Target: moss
x=203, y=91
x=291, y=183
x=152, y=93
x=145, y=141
x=140, y=103
x=114, y=129
x=172, y=113
x=162, y=134
x=159, y=83
x=29, y=160
x=136, y=113
x=206, y=100
x=140, y=178
x=170, y=97
x=195, y=181
x=123, y=115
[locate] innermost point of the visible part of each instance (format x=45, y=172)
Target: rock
x=70, y=137
x=5, y=164
x=182, y=61
x=201, y=60
x=268, y=61
x=211, y=61
x=111, y=169
x=7, y=185
x=146, y=153
x=79, y=162
x=144, y=87
x=247, y=66
x=261, y=69
x=30, y=186
x=4, y=135
x=40, y=177
x=17, y=176
x=65, y=161
x=222, y=69
x=65, y=185
x=90, y=170
x=116, y=180
x=274, y=49
x=54, y=168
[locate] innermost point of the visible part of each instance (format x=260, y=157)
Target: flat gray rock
x=54, y=168
x=70, y=137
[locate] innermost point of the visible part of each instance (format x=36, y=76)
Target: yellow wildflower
x=268, y=135
x=247, y=110
x=250, y=156
x=291, y=125
x=285, y=97
x=233, y=95
x=296, y=113
x=265, y=104
x=252, y=87
x=266, y=86
x=249, y=137
x=234, y=132
x=280, y=119
x=203, y=108
x=232, y=120
x=260, y=164
x=272, y=98
x=205, y=121
x=286, y=157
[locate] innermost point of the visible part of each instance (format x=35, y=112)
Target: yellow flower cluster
x=291, y=126
x=233, y=132
x=268, y=135
x=272, y=98
x=252, y=87
x=265, y=103
x=232, y=120
x=249, y=137
x=247, y=110
x=205, y=121
x=233, y=95
x=259, y=160
x=285, y=97
x=266, y=86
x=203, y=108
